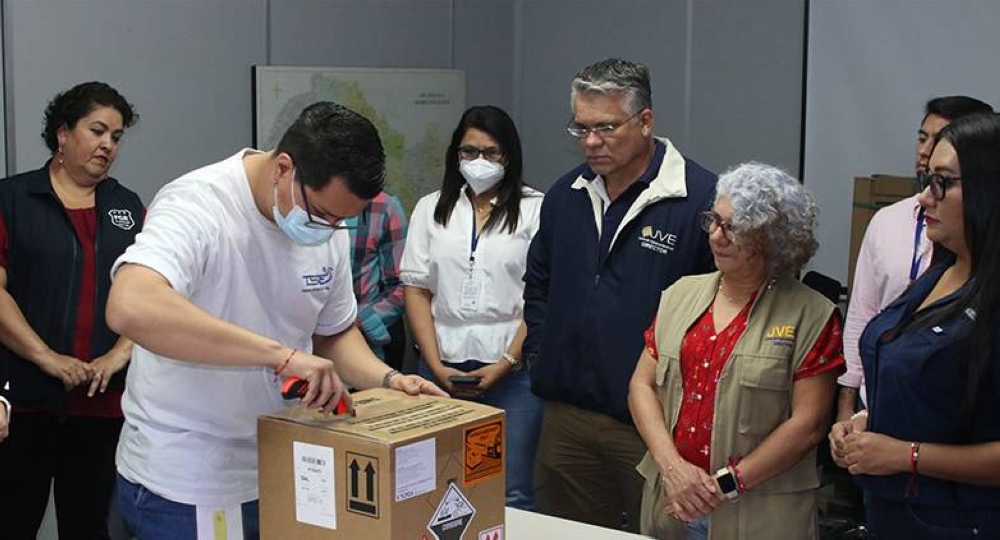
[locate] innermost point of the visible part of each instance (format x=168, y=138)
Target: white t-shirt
x=190, y=432
x=436, y=258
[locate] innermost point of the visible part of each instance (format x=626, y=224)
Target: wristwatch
x=727, y=482
x=514, y=362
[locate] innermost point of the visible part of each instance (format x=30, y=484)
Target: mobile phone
x=464, y=385
x=464, y=380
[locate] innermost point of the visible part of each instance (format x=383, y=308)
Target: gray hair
x=614, y=76
x=772, y=212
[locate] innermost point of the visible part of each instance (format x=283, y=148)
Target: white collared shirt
x=436, y=258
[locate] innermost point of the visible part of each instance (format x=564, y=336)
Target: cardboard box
x=419, y=468
x=871, y=193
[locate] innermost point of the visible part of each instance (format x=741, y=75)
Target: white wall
x=872, y=67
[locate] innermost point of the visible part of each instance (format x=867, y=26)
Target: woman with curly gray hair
x=735, y=386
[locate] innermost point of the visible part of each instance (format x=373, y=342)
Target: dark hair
x=976, y=139
x=67, y=108
x=328, y=140
x=494, y=122
x=954, y=107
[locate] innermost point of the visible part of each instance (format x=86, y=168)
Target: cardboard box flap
x=390, y=416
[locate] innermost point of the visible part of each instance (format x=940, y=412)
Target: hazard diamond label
x=496, y=533
x=483, y=452
x=453, y=515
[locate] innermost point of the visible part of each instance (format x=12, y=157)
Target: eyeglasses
x=711, y=221
x=490, y=153
x=938, y=183
x=320, y=223
x=600, y=130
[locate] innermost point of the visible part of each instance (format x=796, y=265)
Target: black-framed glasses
x=712, y=221
x=490, y=153
x=600, y=130
x=317, y=222
x=938, y=183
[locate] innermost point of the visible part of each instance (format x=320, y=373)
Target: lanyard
x=475, y=243
x=917, y=256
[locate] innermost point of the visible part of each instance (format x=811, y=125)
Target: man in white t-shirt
x=241, y=277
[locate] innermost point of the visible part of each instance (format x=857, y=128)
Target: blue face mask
x=294, y=225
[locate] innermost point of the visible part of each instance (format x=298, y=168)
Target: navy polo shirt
x=915, y=375
x=615, y=212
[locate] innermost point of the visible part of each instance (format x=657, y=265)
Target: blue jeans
x=698, y=529
x=524, y=419
x=151, y=517
x=890, y=520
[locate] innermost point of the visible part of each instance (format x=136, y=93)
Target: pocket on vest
x=764, y=382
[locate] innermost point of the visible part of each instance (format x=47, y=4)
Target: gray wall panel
x=872, y=66
x=560, y=37
x=746, y=87
x=485, y=50
x=183, y=63
x=372, y=33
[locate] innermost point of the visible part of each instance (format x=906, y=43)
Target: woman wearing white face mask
x=463, y=265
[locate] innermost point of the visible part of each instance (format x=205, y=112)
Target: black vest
x=44, y=269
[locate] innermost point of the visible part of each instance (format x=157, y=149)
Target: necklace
x=732, y=300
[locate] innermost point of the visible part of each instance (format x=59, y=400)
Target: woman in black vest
x=62, y=369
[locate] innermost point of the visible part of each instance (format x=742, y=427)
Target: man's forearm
x=847, y=397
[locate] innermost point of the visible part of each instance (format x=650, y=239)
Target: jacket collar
x=668, y=182
x=39, y=183
x=665, y=182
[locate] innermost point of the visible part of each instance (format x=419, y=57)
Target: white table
x=522, y=525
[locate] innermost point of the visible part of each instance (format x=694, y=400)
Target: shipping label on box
x=422, y=467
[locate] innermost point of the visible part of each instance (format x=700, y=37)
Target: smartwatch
x=727, y=483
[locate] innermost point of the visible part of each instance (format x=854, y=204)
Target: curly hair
x=67, y=108
x=772, y=213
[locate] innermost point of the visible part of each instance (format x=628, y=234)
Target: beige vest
x=753, y=398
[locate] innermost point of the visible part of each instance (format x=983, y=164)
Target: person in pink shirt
x=894, y=252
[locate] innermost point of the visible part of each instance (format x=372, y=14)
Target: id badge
x=472, y=289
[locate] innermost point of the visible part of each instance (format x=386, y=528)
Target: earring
x=59, y=156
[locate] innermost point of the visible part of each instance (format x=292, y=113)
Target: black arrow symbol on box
x=370, y=478
x=354, y=478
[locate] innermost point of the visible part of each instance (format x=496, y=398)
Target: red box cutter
x=295, y=387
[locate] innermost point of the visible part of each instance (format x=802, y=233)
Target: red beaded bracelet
x=741, y=485
x=914, y=462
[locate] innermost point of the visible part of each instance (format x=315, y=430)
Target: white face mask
x=481, y=174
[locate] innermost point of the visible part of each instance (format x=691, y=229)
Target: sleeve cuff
x=6, y=404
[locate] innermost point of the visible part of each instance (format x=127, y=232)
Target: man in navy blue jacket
x=615, y=231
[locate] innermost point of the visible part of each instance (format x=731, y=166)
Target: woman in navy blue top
x=929, y=459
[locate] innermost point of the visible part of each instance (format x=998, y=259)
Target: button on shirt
x=436, y=258
x=614, y=211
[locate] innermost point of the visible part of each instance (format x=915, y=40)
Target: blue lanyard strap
x=475, y=240
x=917, y=256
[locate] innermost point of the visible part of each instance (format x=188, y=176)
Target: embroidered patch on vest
x=781, y=335
x=121, y=218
